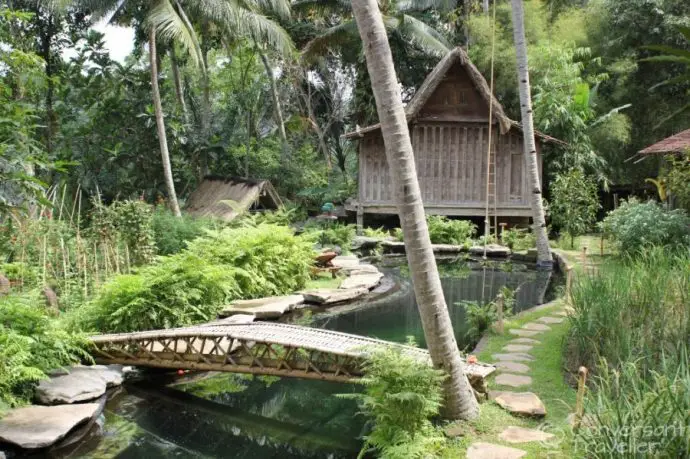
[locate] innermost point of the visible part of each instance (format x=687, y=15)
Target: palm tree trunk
x=205, y=109
x=277, y=110
x=539, y=225
x=438, y=330
x=177, y=83
x=160, y=124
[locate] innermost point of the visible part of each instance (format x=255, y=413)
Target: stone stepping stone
x=492, y=250
x=507, y=379
x=41, y=426
x=270, y=307
x=482, y=450
x=515, y=367
x=536, y=327
x=521, y=403
x=366, y=280
x=521, y=435
x=79, y=384
x=522, y=332
x=327, y=296
x=561, y=313
x=513, y=357
x=524, y=341
x=550, y=320
x=345, y=261
x=517, y=348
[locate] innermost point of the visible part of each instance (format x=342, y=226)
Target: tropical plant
x=574, y=203
x=481, y=316
x=438, y=330
x=636, y=226
x=401, y=396
x=172, y=234
x=538, y=216
x=678, y=180
x=518, y=239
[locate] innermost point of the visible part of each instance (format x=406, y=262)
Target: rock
x=517, y=348
x=550, y=320
x=111, y=374
x=270, y=307
x=536, y=327
x=367, y=281
x=365, y=243
x=524, y=341
x=235, y=319
x=326, y=296
x=492, y=250
x=393, y=246
x=361, y=269
x=522, y=403
x=345, y=261
x=562, y=313
x=507, y=379
x=41, y=426
x=448, y=248
x=515, y=367
x=4, y=285
x=521, y=435
x=513, y=357
x=74, y=387
x=482, y=450
x=455, y=430
x=521, y=332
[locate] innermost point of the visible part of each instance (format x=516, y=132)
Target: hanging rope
x=487, y=222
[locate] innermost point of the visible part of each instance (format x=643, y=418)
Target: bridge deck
x=260, y=348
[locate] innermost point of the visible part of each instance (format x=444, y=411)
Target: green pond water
x=239, y=416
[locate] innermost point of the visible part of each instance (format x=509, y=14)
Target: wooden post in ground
x=568, y=284
x=503, y=229
x=499, y=313
x=360, y=220
x=579, y=407
x=601, y=245
x=584, y=256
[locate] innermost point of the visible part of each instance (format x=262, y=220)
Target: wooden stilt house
x=449, y=125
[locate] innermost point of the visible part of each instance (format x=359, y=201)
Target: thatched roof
x=459, y=56
x=675, y=144
x=227, y=197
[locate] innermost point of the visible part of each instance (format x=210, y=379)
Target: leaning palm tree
x=169, y=20
x=438, y=330
x=539, y=220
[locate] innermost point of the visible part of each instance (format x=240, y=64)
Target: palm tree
x=438, y=330
x=169, y=20
x=396, y=17
x=539, y=225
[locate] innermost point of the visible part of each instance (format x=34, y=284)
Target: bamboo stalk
x=568, y=284
x=95, y=256
x=62, y=202
x=499, y=313
x=45, y=261
x=64, y=264
x=579, y=407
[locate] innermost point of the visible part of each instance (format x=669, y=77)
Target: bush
x=443, y=230
x=31, y=344
x=172, y=233
x=329, y=234
x=190, y=287
x=636, y=226
x=574, y=203
x=518, y=239
x=401, y=395
x=480, y=317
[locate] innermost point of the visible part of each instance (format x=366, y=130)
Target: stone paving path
x=513, y=366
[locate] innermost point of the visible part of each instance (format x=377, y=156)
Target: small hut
x=448, y=120
x=676, y=144
x=227, y=197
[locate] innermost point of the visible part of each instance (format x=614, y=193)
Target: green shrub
x=480, y=317
x=31, y=344
x=574, y=203
x=328, y=234
x=20, y=272
x=172, y=233
x=380, y=233
x=284, y=216
x=518, y=239
x=443, y=230
x=401, y=396
x=636, y=226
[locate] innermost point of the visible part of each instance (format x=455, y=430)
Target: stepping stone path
x=524, y=341
x=515, y=367
x=326, y=296
x=521, y=435
x=270, y=307
x=507, y=379
x=515, y=357
x=550, y=320
x=536, y=327
x=489, y=451
x=521, y=403
x=522, y=332
x=517, y=348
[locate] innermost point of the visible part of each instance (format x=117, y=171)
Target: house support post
x=360, y=219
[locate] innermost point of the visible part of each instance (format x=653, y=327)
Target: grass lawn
x=548, y=382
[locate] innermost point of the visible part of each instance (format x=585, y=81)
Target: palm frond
x=336, y=37
x=685, y=30
x=171, y=26
x=404, y=6
x=428, y=39
x=670, y=50
x=608, y=115
x=279, y=8
x=322, y=7
x=100, y=9
x=676, y=59
x=680, y=79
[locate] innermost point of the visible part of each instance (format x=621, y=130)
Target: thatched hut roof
x=678, y=143
x=227, y=197
x=431, y=83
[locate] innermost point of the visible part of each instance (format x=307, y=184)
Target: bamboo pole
x=584, y=256
x=568, y=284
x=601, y=245
x=499, y=312
x=579, y=407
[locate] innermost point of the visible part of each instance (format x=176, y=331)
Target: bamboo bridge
x=260, y=348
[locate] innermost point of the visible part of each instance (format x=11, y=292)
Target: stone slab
x=363, y=268
x=515, y=367
x=524, y=341
x=270, y=307
x=550, y=320
x=507, y=379
x=514, y=434
x=41, y=426
x=513, y=357
x=235, y=319
x=70, y=388
x=533, y=326
x=367, y=281
x=517, y=348
x=521, y=403
x=365, y=242
x=492, y=250
x=111, y=374
x=325, y=296
x=522, y=332
x=345, y=261
x=482, y=450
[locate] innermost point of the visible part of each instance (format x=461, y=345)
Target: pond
x=239, y=416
